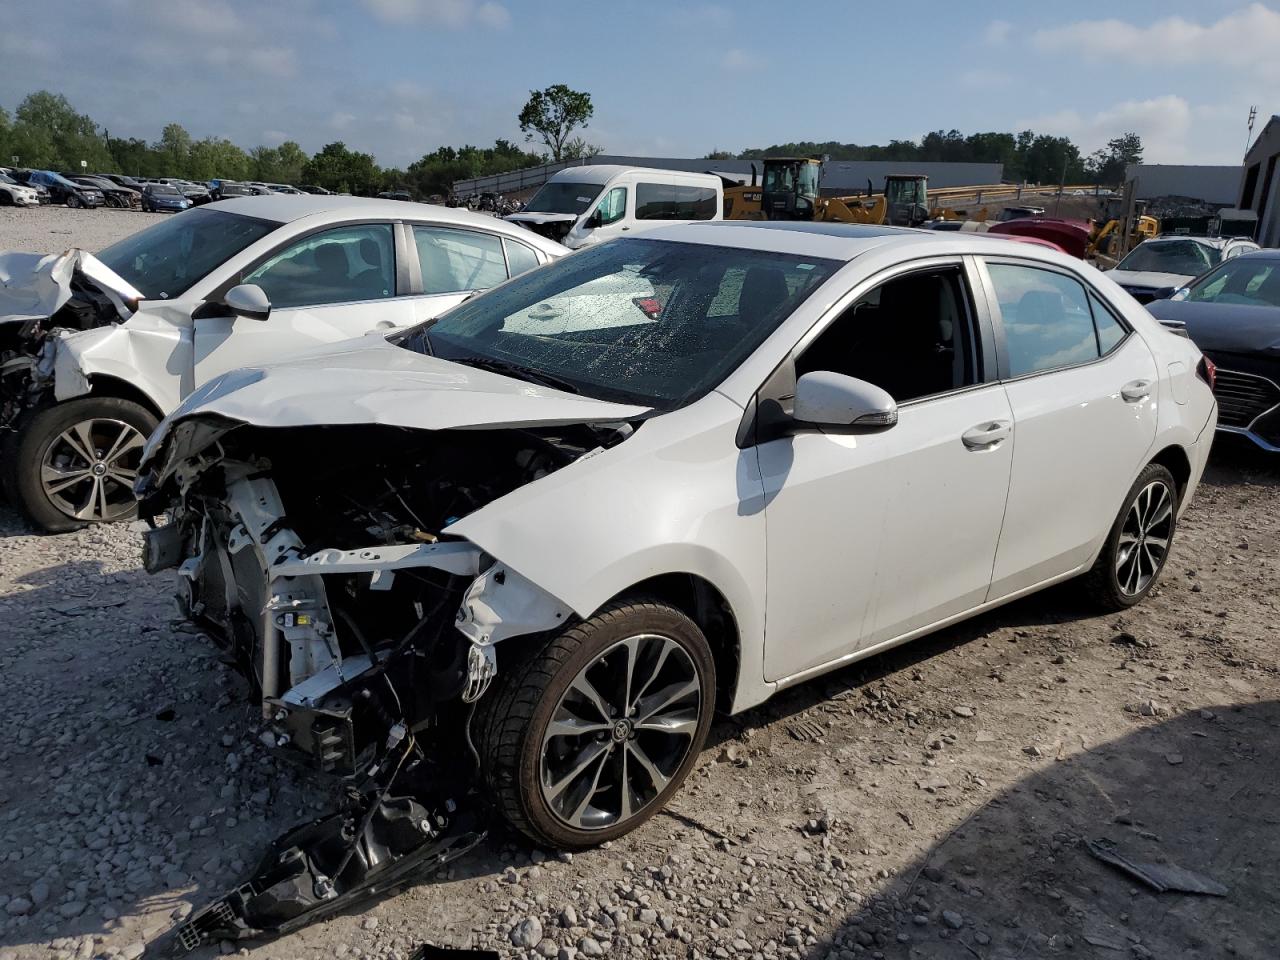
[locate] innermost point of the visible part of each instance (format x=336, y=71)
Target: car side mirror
x=248, y=300
x=833, y=400
x=593, y=221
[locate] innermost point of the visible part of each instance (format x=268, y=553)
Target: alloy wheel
x=1144, y=538
x=620, y=732
x=88, y=470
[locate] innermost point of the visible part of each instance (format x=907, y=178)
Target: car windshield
x=1247, y=281
x=5, y=178
x=652, y=322
x=562, y=197
x=164, y=260
x=1186, y=257
x=62, y=181
x=163, y=188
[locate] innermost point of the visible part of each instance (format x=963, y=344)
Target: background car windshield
x=164, y=189
x=164, y=260
x=638, y=321
x=564, y=197
x=1176, y=256
x=1248, y=282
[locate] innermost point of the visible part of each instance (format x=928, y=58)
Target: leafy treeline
x=46, y=132
x=1027, y=156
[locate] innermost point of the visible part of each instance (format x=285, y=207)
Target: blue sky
x=401, y=77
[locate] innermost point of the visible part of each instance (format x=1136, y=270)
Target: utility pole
x=1248, y=137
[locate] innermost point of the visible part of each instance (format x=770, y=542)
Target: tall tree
x=290, y=159
x=1108, y=164
x=49, y=133
x=553, y=114
x=174, y=147
x=342, y=170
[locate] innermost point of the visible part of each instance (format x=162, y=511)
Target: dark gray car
x=1232, y=313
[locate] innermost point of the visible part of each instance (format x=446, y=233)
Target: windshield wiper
x=519, y=371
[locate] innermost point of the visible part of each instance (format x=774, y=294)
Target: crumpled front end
x=44, y=300
x=320, y=559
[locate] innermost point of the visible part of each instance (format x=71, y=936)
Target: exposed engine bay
x=319, y=558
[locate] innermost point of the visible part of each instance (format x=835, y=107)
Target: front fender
x=150, y=359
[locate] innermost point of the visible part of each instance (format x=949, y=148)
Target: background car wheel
x=74, y=463
x=74, y=201
x=1139, y=542
x=587, y=737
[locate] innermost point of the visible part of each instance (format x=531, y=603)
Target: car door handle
x=986, y=435
x=1136, y=390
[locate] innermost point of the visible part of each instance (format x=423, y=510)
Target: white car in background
x=1158, y=267
x=15, y=194
x=95, y=350
x=818, y=441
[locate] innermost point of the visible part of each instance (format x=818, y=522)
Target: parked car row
x=21, y=187
x=522, y=544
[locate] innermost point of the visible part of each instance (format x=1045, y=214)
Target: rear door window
x=457, y=260
x=1046, y=318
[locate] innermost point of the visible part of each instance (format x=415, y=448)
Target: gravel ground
x=929, y=803
x=53, y=229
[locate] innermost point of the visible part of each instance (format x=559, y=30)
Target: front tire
x=71, y=464
x=1139, y=542
x=588, y=737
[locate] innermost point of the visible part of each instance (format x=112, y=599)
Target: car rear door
x=1082, y=387
x=876, y=535
x=330, y=284
x=449, y=263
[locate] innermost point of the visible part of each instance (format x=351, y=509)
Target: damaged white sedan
x=95, y=350
x=515, y=557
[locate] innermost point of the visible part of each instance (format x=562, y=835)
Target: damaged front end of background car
x=320, y=559
x=43, y=301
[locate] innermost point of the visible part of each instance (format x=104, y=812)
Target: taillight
x=650, y=306
x=1207, y=371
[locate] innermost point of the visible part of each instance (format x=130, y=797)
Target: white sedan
x=783, y=448
x=98, y=349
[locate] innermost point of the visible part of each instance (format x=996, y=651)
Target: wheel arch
x=105, y=385
x=703, y=603
x=1175, y=459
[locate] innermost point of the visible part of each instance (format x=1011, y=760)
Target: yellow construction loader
x=1106, y=233
x=791, y=190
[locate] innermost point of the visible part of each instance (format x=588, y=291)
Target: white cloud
x=453, y=14
x=997, y=32
x=1163, y=123
x=341, y=120
x=1245, y=40
x=738, y=60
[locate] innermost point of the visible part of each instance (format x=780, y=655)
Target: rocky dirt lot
x=930, y=803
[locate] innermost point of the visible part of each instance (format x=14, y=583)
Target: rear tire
x=71, y=464
x=1138, y=544
x=73, y=201
x=632, y=737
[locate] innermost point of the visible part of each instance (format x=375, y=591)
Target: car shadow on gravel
x=1014, y=878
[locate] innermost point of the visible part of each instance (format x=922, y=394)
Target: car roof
x=1263, y=254
x=288, y=207
x=833, y=241
x=604, y=172
x=1206, y=241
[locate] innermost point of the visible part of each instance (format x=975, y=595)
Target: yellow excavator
x=1105, y=233
x=791, y=190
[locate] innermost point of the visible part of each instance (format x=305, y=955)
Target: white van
x=593, y=203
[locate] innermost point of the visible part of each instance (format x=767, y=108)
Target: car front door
x=329, y=285
x=454, y=262
x=876, y=535
x=1082, y=387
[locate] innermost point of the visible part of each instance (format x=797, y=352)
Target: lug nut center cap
x=621, y=731
x=99, y=469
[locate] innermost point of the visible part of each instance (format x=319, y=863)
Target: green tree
x=553, y=114
x=6, y=135
x=48, y=132
x=218, y=158
x=290, y=160
x=342, y=170
x=1108, y=164
x=174, y=150
x=264, y=164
